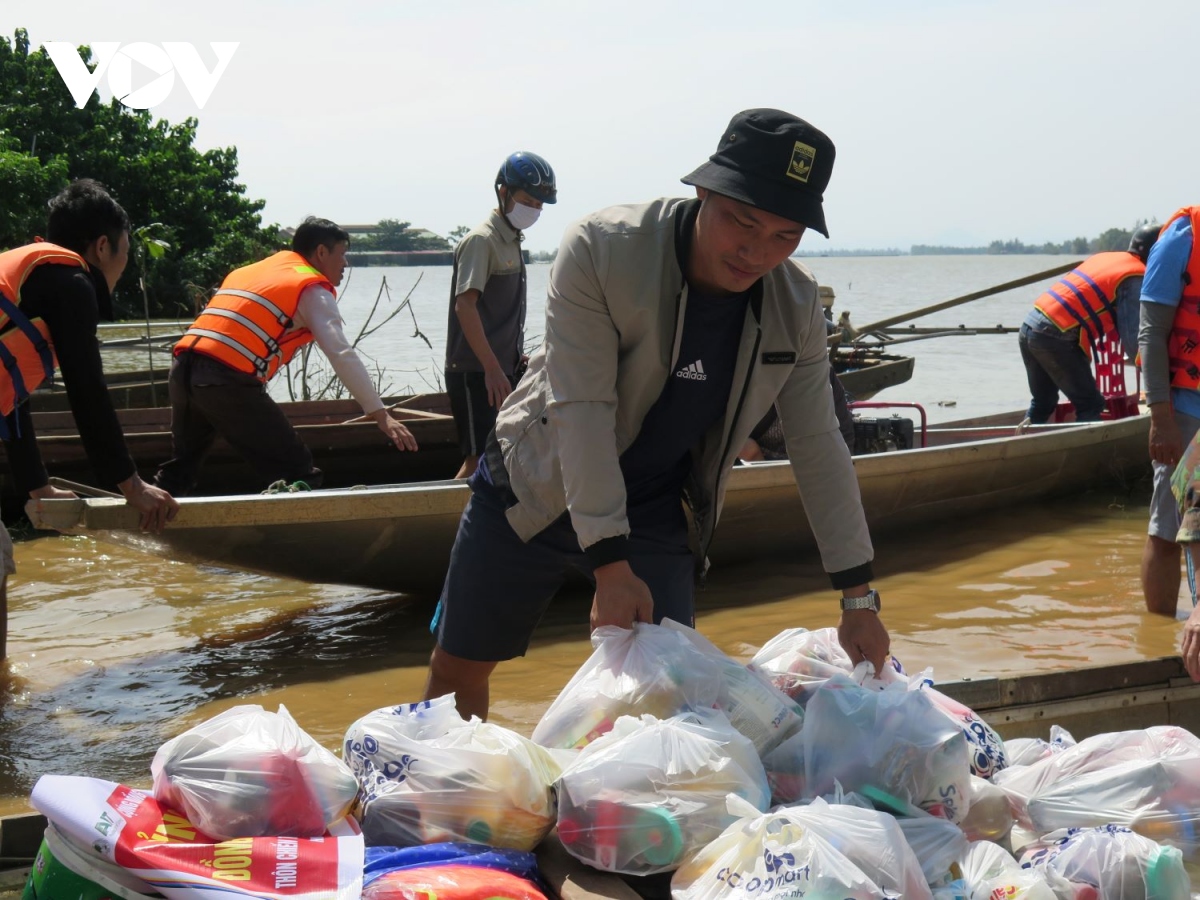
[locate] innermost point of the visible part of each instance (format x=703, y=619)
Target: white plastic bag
x=990, y=872
x=429, y=776
x=650, y=793
x=753, y=705
x=1026, y=751
x=646, y=670
x=892, y=745
x=798, y=661
x=937, y=844
x=788, y=853
x=986, y=747
x=1120, y=864
x=251, y=773
x=1147, y=780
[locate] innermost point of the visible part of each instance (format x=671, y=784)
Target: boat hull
x=398, y=537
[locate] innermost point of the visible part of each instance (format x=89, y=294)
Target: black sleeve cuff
x=608, y=550
x=852, y=577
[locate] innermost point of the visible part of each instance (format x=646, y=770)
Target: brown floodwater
x=112, y=651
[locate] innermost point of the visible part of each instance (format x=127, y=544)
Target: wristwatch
x=869, y=600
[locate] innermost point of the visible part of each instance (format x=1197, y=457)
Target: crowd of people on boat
x=676, y=329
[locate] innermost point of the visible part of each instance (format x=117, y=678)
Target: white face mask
x=523, y=216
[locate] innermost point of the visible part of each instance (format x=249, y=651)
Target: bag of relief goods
x=162, y=848
x=892, y=745
x=989, y=872
x=821, y=850
x=650, y=793
x=249, y=773
x=798, y=661
x=753, y=705
x=1147, y=780
x=987, y=754
x=429, y=776
x=646, y=670
x=1114, y=862
x=1027, y=751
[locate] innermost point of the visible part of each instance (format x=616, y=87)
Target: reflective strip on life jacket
x=279, y=314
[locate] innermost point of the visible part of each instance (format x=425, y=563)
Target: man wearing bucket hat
x=672, y=327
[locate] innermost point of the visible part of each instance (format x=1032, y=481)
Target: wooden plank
x=20, y=837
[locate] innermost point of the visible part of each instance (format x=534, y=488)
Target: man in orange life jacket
x=52, y=295
x=257, y=320
x=1096, y=299
x=1169, y=345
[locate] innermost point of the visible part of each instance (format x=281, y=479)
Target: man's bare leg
x=467, y=679
x=1160, y=575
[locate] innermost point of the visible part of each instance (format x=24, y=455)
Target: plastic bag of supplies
x=987, y=753
x=646, y=670
x=989, y=872
x=798, y=661
x=803, y=851
x=893, y=746
x=1147, y=780
x=649, y=794
x=429, y=776
x=250, y=773
x=753, y=705
x=1116, y=862
x=1027, y=751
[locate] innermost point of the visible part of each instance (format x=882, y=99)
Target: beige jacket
x=614, y=313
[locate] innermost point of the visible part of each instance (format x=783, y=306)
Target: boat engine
x=881, y=434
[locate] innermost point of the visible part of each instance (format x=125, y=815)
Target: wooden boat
x=398, y=537
x=864, y=370
x=349, y=453
x=1084, y=701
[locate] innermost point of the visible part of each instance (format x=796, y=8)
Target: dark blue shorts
x=498, y=586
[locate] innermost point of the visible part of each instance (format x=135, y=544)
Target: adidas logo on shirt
x=695, y=372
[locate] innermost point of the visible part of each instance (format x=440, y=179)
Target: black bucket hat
x=773, y=161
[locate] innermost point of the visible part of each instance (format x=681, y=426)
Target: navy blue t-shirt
x=694, y=399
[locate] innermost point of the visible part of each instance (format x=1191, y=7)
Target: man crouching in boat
x=257, y=320
x=671, y=328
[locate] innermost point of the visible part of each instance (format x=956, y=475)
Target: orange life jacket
x=1084, y=298
x=1183, y=344
x=245, y=324
x=26, y=351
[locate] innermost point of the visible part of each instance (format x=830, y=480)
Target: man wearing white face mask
x=486, y=331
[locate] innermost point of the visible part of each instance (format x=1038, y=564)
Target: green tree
x=457, y=234
x=392, y=234
x=1113, y=239
x=151, y=166
x=25, y=185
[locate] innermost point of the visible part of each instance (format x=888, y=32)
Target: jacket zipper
x=737, y=414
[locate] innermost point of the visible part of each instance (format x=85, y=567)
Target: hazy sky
x=955, y=122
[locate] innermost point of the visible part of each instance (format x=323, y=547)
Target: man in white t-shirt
x=257, y=320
